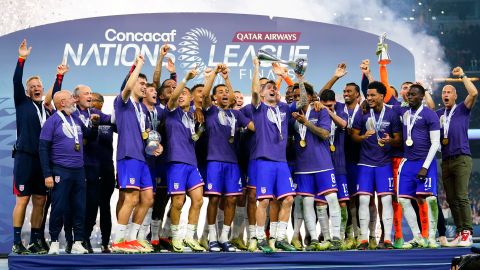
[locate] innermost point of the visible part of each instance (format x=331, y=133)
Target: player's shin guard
x=432, y=216
x=387, y=216
x=423, y=213
x=410, y=215
x=364, y=216
x=297, y=215
x=372, y=225
x=335, y=217
x=322, y=215
x=397, y=219
x=309, y=217
x=344, y=220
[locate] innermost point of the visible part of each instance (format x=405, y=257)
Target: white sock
x=166, y=232
x=297, y=216
x=273, y=229
x=225, y=232
x=252, y=231
x=220, y=219
x=354, y=214
x=175, y=231
x=387, y=216
x=282, y=231
x=120, y=233
x=191, y=231
x=212, y=232
x=156, y=229
x=260, y=232
x=432, y=216
x=309, y=217
x=364, y=216
x=410, y=216
x=335, y=215
x=372, y=226
x=238, y=222
x=132, y=233
x=322, y=215
x=142, y=233
x=205, y=231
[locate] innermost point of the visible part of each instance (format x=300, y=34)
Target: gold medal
x=409, y=142
x=303, y=143
x=144, y=135
x=445, y=141
x=195, y=137
x=231, y=139
x=332, y=148
x=84, y=141
x=381, y=144
x=77, y=147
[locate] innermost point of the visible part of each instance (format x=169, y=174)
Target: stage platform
x=377, y=259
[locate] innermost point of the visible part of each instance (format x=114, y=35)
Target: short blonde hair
x=35, y=77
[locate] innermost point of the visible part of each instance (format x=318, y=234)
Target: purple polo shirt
x=181, y=147
x=457, y=133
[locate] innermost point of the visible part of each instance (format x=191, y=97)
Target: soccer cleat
x=252, y=245
x=214, y=246
x=36, y=248
x=54, y=248
x=417, y=242
x=313, y=246
x=456, y=240
x=166, y=243
x=264, y=246
x=466, y=239
x=398, y=243
x=443, y=241
x=123, y=247
x=350, y=243
x=19, y=249
x=77, y=248
x=238, y=243
x=387, y=244
x=372, y=242
x=271, y=243
x=335, y=244
x=297, y=243
x=194, y=245
x=68, y=247
x=324, y=245
x=177, y=245
x=88, y=246
x=44, y=243
x=227, y=247
x=204, y=243
x=134, y=244
x=432, y=243
x=284, y=245
x=363, y=245
x=146, y=245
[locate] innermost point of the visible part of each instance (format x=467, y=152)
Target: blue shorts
x=379, y=179
x=223, y=178
x=342, y=192
x=408, y=184
x=352, y=172
x=182, y=177
x=315, y=183
x=252, y=174
x=133, y=173
x=273, y=179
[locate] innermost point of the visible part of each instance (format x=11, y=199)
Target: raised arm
x=19, y=94
x=158, y=67
x=132, y=79
x=340, y=71
x=384, y=80
x=303, y=100
x=471, y=89
x=57, y=85
x=366, y=76
x=173, y=101
x=255, y=82
x=210, y=75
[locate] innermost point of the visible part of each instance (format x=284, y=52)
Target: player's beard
x=71, y=109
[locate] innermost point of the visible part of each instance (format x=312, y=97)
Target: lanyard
x=86, y=122
x=278, y=120
x=377, y=124
x=232, y=121
x=70, y=128
x=139, y=113
x=411, y=122
x=42, y=116
x=448, y=117
x=153, y=118
x=351, y=117
x=191, y=123
x=302, y=129
x=333, y=127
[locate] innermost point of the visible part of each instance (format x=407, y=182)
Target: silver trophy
x=382, y=50
x=299, y=65
x=153, y=141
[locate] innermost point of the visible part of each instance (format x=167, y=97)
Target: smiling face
x=150, y=95
x=140, y=87
x=84, y=96
x=185, y=99
x=269, y=93
x=350, y=94
x=168, y=87
x=449, y=96
x=35, y=89
x=238, y=99
x=374, y=99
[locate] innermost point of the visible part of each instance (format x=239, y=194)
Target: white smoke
x=429, y=55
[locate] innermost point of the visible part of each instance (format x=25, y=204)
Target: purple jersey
x=457, y=132
x=270, y=143
x=315, y=156
x=249, y=137
x=63, y=151
x=221, y=125
x=130, y=143
x=338, y=156
x=181, y=147
x=427, y=120
x=353, y=154
x=371, y=153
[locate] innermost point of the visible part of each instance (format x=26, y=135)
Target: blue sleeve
x=19, y=95
x=364, y=86
x=357, y=121
x=57, y=86
x=44, y=150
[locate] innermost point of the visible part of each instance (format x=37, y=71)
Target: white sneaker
x=54, y=248
x=77, y=248
x=466, y=239
x=455, y=240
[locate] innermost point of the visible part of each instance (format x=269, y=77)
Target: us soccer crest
x=209, y=186
x=175, y=185
x=57, y=179
x=264, y=190
x=21, y=187
x=132, y=180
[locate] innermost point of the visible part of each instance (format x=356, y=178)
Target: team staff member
x=456, y=155
x=31, y=114
x=61, y=156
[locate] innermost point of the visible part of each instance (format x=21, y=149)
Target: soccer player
x=133, y=174
x=456, y=155
x=418, y=171
x=273, y=175
x=238, y=100
x=377, y=131
x=61, y=157
x=223, y=172
x=183, y=176
x=28, y=182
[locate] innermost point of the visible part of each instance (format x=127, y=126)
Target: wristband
x=462, y=76
x=22, y=57
x=184, y=80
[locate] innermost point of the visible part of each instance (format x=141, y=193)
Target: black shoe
x=106, y=249
x=88, y=246
x=44, y=244
x=68, y=247
x=19, y=249
x=36, y=248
